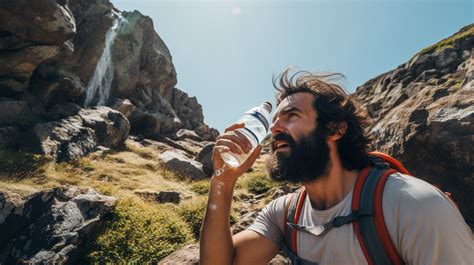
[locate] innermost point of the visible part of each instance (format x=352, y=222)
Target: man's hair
x=333, y=105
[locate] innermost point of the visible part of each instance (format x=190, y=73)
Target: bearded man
x=318, y=141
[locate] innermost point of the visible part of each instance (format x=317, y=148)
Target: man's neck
x=329, y=190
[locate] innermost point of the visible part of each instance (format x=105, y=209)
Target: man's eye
x=292, y=114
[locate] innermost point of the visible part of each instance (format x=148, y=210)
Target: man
x=318, y=140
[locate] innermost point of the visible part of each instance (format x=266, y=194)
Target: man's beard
x=307, y=161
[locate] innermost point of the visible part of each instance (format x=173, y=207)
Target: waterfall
x=98, y=89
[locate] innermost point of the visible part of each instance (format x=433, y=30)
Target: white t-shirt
x=424, y=225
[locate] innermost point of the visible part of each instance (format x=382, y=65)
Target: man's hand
x=216, y=245
x=233, y=141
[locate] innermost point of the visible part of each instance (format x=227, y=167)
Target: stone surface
x=187, y=255
x=427, y=121
x=110, y=126
x=124, y=106
x=78, y=135
x=205, y=158
x=177, y=162
x=8, y=136
x=14, y=112
x=41, y=21
x=50, y=227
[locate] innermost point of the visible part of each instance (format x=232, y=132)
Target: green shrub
x=258, y=183
x=201, y=187
x=139, y=233
x=192, y=212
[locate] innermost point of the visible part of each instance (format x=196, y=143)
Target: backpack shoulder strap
x=371, y=231
x=292, y=214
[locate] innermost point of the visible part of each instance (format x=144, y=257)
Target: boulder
x=20, y=64
x=168, y=196
x=61, y=111
x=63, y=140
x=41, y=21
x=124, y=106
x=50, y=227
x=110, y=126
x=177, y=162
x=63, y=89
x=15, y=112
x=205, y=158
x=78, y=135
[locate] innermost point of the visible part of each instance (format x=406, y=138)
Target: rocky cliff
x=58, y=58
x=424, y=115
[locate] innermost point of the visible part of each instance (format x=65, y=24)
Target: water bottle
x=256, y=128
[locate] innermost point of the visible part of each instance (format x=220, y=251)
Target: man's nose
x=276, y=127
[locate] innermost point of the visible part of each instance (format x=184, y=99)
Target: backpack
x=366, y=217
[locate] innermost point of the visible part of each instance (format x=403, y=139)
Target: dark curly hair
x=333, y=105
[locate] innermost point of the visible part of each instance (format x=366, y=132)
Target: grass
x=449, y=42
x=139, y=231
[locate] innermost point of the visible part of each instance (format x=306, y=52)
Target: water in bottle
x=257, y=123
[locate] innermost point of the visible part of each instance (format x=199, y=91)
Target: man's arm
x=217, y=245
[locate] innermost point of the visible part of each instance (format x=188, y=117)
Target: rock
x=160, y=197
x=446, y=58
x=8, y=136
x=431, y=128
x=50, y=227
x=78, y=135
x=110, y=126
x=64, y=89
x=9, y=41
x=179, y=163
x=168, y=196
x=142, y=58
x=184, y=134
x=9, y=87
x=187, y=255
x=15, y=112
x=63, y=140
x=45, y=22
x=205, y=158
x=124, y=106
x=61, y=111
x=19, y=64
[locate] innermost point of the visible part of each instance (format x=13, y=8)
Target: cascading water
x=98, y=89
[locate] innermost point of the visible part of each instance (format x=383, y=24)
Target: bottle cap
x=268, y=106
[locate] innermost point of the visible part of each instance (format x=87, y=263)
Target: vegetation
x=139, y=233
x=449, y=42
x=139, y=230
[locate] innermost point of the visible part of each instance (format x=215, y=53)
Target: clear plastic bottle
x=257, y=123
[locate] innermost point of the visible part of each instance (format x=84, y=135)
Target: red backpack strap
x=371, y=230
x=292, y=214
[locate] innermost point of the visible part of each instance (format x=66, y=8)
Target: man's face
x=300, y=151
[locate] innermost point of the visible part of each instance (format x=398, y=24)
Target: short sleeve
x=429, y=227
x=269, y=221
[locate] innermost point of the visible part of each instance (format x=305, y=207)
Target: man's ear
x=338, y=130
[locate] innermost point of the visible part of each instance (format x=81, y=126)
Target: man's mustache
x=283, y=137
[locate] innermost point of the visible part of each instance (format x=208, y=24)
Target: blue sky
x=225, y=52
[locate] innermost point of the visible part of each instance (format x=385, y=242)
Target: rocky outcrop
x=50, y=227
x=424, y=115
x=51, y=51
x=77, y=135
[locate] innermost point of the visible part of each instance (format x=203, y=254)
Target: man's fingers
x=234, y=147
x=251, y=159
x=234, y=126
x=239, y=139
